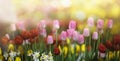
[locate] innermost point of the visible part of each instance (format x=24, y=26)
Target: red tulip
x=108, y=44
x=56, y=51
x=25, y=34
x=18, y=40
x=102, y=48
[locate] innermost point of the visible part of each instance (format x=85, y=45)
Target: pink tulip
x=72, y=24
x=56, y=24
x=75, y=35
x=63, y=35
x=7, y=35
x=50, y=39
x=102, y=55
x=70, y=33
x=13, y=27
x=90, y=21
x=100, y=24
x=86, y=32
x=110, y=23
x=20, y=25
x=80, y=39
x=42, y=24
x=95, y=36
x=43, y=32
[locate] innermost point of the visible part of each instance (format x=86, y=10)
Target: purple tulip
x=110, y=23
x=43, y=32
x=95, y=36
x=75, y=35
x=42, y=24
x=20, y=25
x=56, y=24
x=50, y=39
x=80, y=39
x=100, y=24
x=86, y=32
x=90, y=21
x=72, y=25
x=70, y=33
x=63, y=35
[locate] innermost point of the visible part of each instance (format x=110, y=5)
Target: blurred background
x=32, y=11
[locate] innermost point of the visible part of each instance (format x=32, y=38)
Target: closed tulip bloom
x=75, y=35
x=102, y=55
x=43, y=32
x=80, y=39
x=20, y=25
x=110, y=23
x=100, y=24
x=13, y=27
x=86, y=32
x=50, y=39
x=63, y=35
x=42, y=24
x=56, y=24
x=72, y=24
x=83, y=48
x=95, y=35
x=70, y=33
x=90, y=21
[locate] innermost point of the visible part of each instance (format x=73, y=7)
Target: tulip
x=90, y=21
x=41, y=24
x=109, y=24
x=86, y=32
x=43, y=32
x=50, y=39
x=95, y=36
x=83, y=48
x=56, y=24
x=18, y=59
x=100, y=24
x=101, y=48
x=80, y=39
x=70, y=33
x=65, y=50
x=20, y=25
x=13, y=27
x=56, y=51
x=72, y=25
x=75, y=35
x=63, y=35
x=102, y=55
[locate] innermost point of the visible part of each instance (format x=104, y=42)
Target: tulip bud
x=100, y=24
x=50, y=39
x=13, y=27
x=86, y=32
x=70, y=33
x=75, y=35
x=63, y=35
x=56, y=24
x=43, y=32
x=90, y=21
x=95, y=36
x=80, y=39
x=110, y=23
x=72, y=25
x=42, y=24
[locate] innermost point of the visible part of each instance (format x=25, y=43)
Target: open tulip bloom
x=67, y=43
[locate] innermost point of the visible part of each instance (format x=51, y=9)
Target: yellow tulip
x=0, y=51
x=72, y=49
x=60, y=48
x=1, y=58
x=68, y=41
x=77, y=49
x=65, y=50
x=111, y=55
x=83, y=48
x=10, y=47
x=18, y=59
